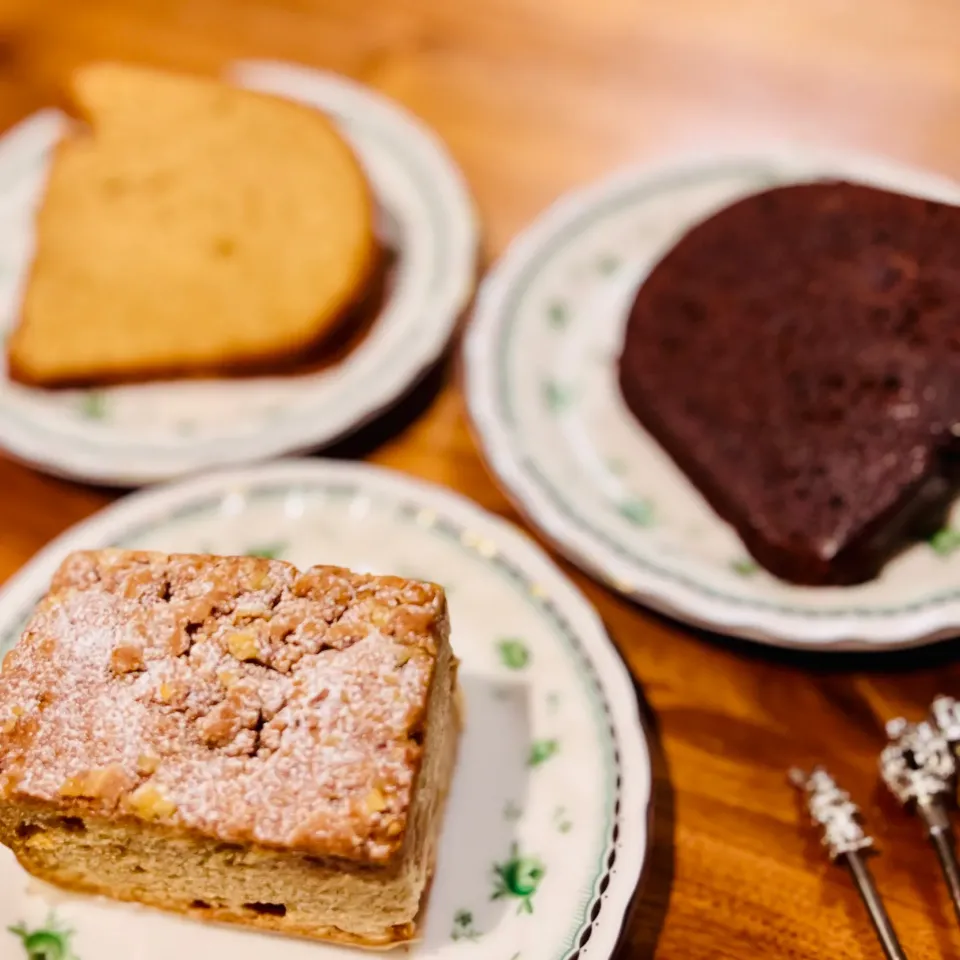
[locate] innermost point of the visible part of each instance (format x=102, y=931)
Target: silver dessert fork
x=919, y=768
x=846, y=841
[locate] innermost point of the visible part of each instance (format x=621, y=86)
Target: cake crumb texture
x=188, y=227
x=232, y=739
x=236, y=698
x=798, y=355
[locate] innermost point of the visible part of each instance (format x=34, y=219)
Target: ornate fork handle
x=919, y=768
x=844, y=837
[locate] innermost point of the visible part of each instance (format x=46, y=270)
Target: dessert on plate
x=233, y=739
x=189, y=227
x=798, y=355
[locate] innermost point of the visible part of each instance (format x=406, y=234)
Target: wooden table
x=534, y=97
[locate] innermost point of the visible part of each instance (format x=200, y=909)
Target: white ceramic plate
x=551, y=794
x=138, y=434
x=541, y=387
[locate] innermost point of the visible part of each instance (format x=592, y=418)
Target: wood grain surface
x=534, y=97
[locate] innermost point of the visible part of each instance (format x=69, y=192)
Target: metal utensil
x=945, y=716
x=846, y=841
x=920, y=769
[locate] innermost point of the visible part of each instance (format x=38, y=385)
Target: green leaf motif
x=945, y=541
x=49, y=942
x=268, y=551
x=638, y=512
x=541, y=751
x=561, y=819
x=513, y=653
x=744, y=567
x=93, y=405
x=617, y=467
x=608, y=263
x=558, y=314
x=557, y=397
x=463, y=928
x=518, y=877
x=511, y=812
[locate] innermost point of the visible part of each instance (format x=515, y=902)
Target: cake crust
x=154, y=260
x=240, y=711
x=235, y=697
x=796, y=354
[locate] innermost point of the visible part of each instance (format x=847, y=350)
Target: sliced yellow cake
x=189, y=226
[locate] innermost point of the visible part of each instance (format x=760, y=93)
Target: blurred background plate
x=135, y=434
x=541, y=380
x=548, y=814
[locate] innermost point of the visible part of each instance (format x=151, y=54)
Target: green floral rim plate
x=545, y=833
x=130, y=435
x=540, y=361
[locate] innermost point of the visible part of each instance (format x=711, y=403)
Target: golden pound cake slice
x=189, y=226
x=232, y=739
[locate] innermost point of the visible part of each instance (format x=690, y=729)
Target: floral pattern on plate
x=134, y=434
x=541, y=357
x=545, y=828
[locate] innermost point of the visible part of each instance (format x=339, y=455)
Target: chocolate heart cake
x=798, y=355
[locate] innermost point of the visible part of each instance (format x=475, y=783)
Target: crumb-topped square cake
x=232, y=738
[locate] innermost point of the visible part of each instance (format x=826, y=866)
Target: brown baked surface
x=237, y=707
x=798, y=355
x=189, y=226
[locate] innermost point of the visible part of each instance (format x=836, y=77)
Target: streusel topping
x=232, y=696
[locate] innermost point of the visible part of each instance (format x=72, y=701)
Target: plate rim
x=692, y=603
x=630, y=735
x=88, y=460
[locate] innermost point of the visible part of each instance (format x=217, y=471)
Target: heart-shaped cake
x=798, y=355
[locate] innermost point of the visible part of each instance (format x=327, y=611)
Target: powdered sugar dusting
x=232, y=696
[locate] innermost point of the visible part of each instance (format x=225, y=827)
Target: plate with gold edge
x=545, y=832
